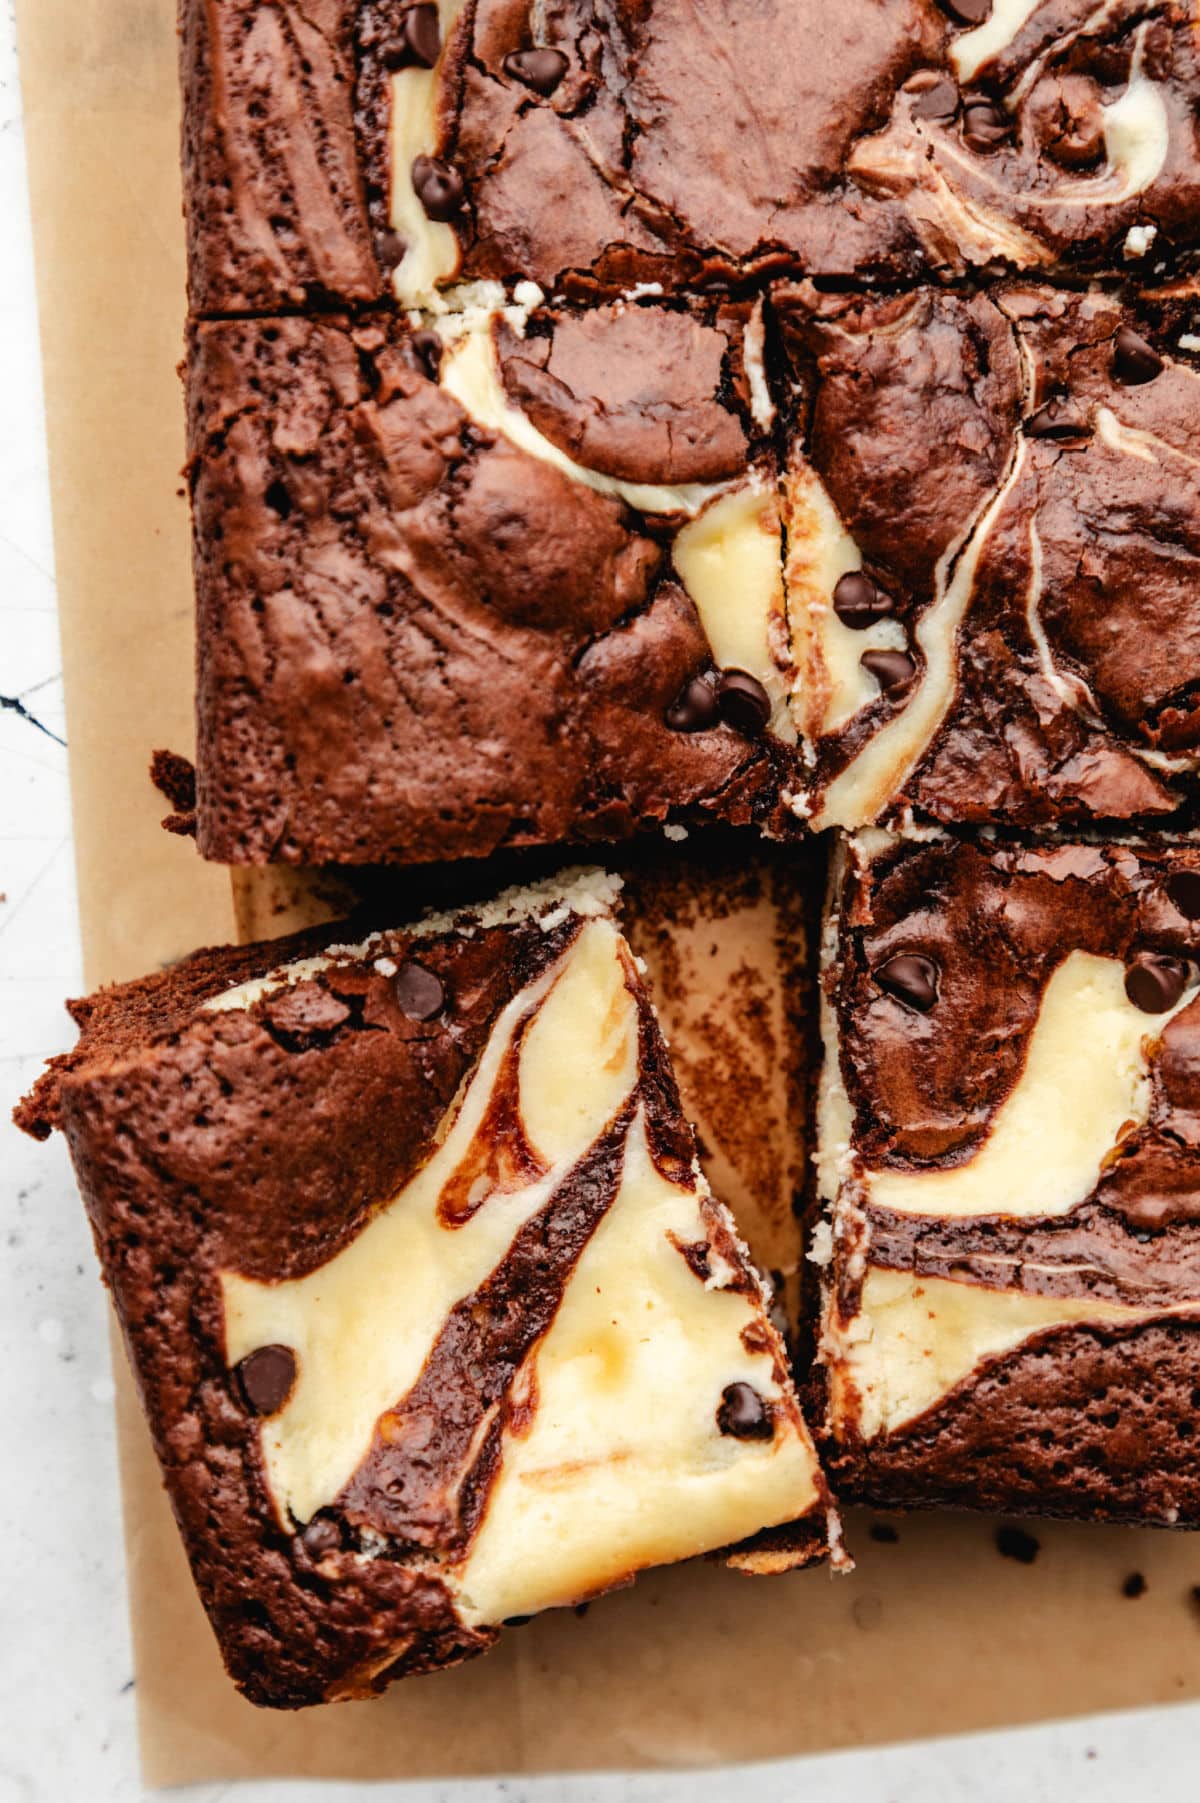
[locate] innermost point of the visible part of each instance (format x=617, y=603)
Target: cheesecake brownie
x=352, y=148
x=515, y=582
x=994, y=556
x=1009, y=1165
x=435, y=1322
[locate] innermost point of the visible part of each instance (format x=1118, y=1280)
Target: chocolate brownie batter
x=512, y=584
x=994, y=556
x=593, y=144
x=418, y=1315
x=1011, y=1161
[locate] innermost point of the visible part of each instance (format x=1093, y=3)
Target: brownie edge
x=275, y=199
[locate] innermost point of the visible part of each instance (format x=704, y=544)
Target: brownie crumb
x=175, y=779
x=884, y=1533
x=1015, y=1543
x=1134, y=1585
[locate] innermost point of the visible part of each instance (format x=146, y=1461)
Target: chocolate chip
x=423, y=34
x=1183, y=887
x=1067, y=112
x=391, y=248
x=1154, y=981
x=968, y=12
x=884, y=1533
x=1135, y=361
x=858, y=602
x=938, y=102
x=894, y=671
x=984, y=126
x=420, y=39
x=743, y=702
x=909, y=978
x=438, y=186
x=266, y=1377
x=742, y=1413
x=420, y=994
x=695, y=707
x=1015, y=1543
x=1134, y=1586
x=541, y=70
x=427, y=347
x=321, y=1537
x=1059, y=419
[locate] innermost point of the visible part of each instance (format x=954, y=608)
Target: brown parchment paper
x=934, y=1634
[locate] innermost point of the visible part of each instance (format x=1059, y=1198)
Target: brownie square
x=435, y=1322
x=517, y=584
x=359, y=145
x=994, y=556
x=1009, y=1163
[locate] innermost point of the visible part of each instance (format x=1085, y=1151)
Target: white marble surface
x=66, y=1683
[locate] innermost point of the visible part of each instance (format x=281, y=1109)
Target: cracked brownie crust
x=433, y=1319
x=993, y=556
x=274, y=189
x=476, y=591
x=341, y=149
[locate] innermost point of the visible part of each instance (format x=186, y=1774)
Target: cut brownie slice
x=519, y=583
x=434, y=1320
x=592, y=144
x=993, y=558
x=1010, y=1160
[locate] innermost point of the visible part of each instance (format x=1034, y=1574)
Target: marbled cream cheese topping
x=635, y=1410
x=622, y=1468
x=728, y=560
x=985, y=178
x=361, y=1326
x=976, y=471
x=832, y=683
x=1084, y=1087
x=727, y=552
x=1005, y=1127
x=915, y=1339
x=431, y=254
x=607, y=157
x=861, y=793
x=470, y=371
x=1134, y=127
x=435, y=1319
x=970, y=51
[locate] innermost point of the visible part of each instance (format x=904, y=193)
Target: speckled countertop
x=66, y=1680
